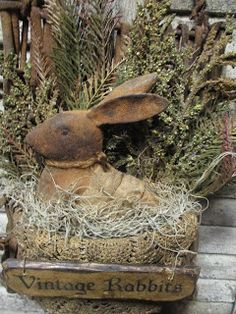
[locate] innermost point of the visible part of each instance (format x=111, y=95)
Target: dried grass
x=74, y=215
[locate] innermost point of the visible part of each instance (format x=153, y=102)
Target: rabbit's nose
x=36, y=138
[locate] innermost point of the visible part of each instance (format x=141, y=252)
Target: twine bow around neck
x=100, y=158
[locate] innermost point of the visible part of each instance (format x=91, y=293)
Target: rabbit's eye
x=64, y=131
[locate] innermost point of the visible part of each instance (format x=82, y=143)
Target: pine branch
x=53, y=9
x=41, y=64
x=66, y=24
x=98, y=86
x=222, y=86
x=24, y=108
x=21, y=159
x=84, y=33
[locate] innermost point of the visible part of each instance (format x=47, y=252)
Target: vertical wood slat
x=16, y=31
x=8, y=41
x=7, y=32
x=128, y=9
x=24, y=39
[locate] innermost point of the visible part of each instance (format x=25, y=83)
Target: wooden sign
x=99, y=281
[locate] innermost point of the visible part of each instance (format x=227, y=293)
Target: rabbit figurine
x=71, y=143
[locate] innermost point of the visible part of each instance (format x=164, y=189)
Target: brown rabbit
x=71, y=143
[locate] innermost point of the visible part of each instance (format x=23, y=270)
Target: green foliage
x=23, y=109
x=84, y=43
x=80, y=75
x=181, y=143
x=154, y=49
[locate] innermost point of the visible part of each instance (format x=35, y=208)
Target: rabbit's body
x=97, y=183
x=71, y=143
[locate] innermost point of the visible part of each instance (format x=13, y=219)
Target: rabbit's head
x=75, y=135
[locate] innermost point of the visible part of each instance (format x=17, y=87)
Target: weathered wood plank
x=219, y=240
x=15, y=303
x=182, y=6
x=228, y=191
x=2, y=210
x=128, y=9
x=99, y=281
x=214, y=7
x=221, y=212
x=32, y=311
x=211, y=295
x=213, y=290
x=215, y=266
x=3, y=222
x=234, y=308
x=196, y=307
x=230, y=71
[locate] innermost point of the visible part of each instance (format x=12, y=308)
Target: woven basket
x=65, y=306
x=149, y=248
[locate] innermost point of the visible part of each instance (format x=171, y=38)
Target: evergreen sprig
x=182, y=142
x=84, y=47
x=24, y=108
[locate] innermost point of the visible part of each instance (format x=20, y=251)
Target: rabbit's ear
x=129, y=108
x=139, y=85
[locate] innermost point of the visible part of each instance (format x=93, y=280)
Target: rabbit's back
x=118, y=185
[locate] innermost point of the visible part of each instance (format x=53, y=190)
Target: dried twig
x=36, y=31
x=24, y=36
x=10, y=5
